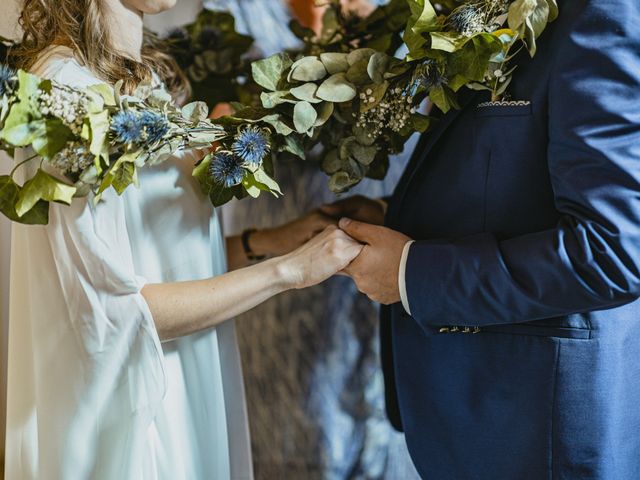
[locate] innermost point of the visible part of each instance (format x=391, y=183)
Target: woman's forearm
x=183, y=308
x=262, y=243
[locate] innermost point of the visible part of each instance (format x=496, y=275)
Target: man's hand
x=358, y=208
x=375, y=271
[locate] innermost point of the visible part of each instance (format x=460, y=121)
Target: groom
x=511, y=343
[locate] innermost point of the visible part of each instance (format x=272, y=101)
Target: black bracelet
x=247, y=248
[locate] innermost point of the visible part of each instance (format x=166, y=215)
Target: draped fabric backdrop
x=8, y=21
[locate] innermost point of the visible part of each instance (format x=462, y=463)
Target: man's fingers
x=323, y=219
x=333, y=209
x=360, y=231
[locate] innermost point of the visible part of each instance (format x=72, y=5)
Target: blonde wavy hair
x=83, y=26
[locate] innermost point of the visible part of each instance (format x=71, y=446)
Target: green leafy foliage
x=345, y=91
x=43, y=187
x=38, y=214
x=214, y=56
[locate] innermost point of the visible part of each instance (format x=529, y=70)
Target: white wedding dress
x=92, y=393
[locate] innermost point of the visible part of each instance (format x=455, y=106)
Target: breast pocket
x=518, y=193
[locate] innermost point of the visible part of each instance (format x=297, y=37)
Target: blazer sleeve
x=591, y=259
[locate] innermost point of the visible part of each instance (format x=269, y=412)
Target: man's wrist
x=260, y=242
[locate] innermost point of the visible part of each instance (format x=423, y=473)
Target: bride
x=93, y=393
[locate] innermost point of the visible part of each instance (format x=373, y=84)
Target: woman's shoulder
x=58, y=63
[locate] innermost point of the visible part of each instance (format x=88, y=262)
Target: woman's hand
x=285, y=238
x=322, y=257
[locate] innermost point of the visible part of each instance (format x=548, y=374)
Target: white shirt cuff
x=401, y=277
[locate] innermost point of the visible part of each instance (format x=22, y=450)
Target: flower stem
x=20, y=164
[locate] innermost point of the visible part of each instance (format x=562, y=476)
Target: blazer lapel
x=428, y=141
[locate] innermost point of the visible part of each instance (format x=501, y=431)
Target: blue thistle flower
x=251, y=145
x=127, y=127
x=7, y=79
x=226, y=169
x=467, y=19
x=155, y=125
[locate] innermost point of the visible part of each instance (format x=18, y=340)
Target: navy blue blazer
x=527, y=221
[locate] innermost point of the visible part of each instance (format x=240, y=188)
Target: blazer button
x=476, y=330
x=444, y=330
x=466, y=330
x=455, y=329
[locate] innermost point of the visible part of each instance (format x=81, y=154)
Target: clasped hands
x=375, y=268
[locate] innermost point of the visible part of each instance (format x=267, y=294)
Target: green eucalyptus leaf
x=294, y=145
x=205, y=138
x=277, y=122
x=535, y=24
x=306, y=92
x=519, y=11
x=363, y=135
x=195, y=112
x=357, y=73
x=363, y=154
x=273, y=99
x=377, y=66
x=308, y=69
x=268, y=72
x=251, y=186
x=375, y=92
x=331, y=163
x=99, y=123
x=337, y=89
x=379, y=168
x=160, y=98
x=304, y=116
x=360, y=54
x=340, y=182
x=325, y=110
x=43, y=186
x=420, y=122
x=334, y=62
x=553, y=10
x=263, y=179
